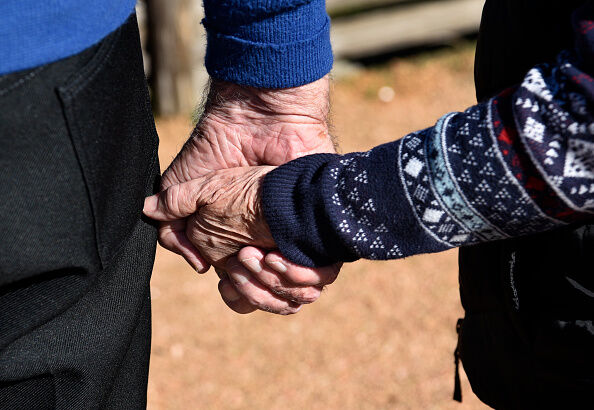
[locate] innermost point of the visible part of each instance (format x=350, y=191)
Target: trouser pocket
x=109, y=116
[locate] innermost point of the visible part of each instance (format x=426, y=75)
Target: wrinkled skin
x=225, y=213
x=245, y=126
x=222, y=209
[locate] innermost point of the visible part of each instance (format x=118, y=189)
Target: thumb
x=176, y=202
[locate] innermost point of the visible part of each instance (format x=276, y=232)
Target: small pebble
x=386, y=94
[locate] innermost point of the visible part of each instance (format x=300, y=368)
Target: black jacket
x=527, y=340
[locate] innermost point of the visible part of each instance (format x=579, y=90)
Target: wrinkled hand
x=244, y=126
x=223, y=211
x=224, y=214
x=248, y=126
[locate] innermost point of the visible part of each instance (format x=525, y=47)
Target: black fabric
x=78, y=154
x=527, y=337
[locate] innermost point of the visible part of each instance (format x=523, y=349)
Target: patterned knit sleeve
x=520, y=163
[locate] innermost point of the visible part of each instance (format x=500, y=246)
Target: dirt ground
x=381, y=337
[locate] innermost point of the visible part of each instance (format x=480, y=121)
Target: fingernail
x=238, y=277
x=199, y=266
x=252, y=264
x=277, y=266
x=150, y=204
x=229, y=294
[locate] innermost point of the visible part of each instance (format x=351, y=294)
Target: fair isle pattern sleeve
x=520, y=163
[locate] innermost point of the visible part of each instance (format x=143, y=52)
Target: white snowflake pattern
x=504, y=180
x=476, y=141
x=352, y=167
x=395, y=252
x=470, y=159
x=455, y=149
x=377, y=244
x=535, y=83
x=349, y=211
x=368, y=205
x=500, y=207
x=579, y=161
x=464, y=130
x=381, y=229
x=413, y=142
x=483, y=186
x=432, y=215
x=502, y=194
x=414, y=167
x=487, y=170
x=534, y=130
x=364, y=220
x=336, y=200
x=465, y=177
x=490, y=153
x=362, y=177
x=354, y=195
x=479, y=200
x=344, y=226
x=361, y=236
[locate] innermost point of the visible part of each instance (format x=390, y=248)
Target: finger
x=172, y=237
x=293, y=273
x=233, y=299
x=276, y=281
x=257, y=294
x=176, y=202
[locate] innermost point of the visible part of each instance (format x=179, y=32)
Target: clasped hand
x=223, y=215
x=210, y=208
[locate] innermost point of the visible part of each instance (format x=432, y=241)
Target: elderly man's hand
x=223, y=211
x=224, y=214
x=244, y=126
x=249, y=126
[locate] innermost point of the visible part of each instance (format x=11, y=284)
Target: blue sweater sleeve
x=520, y=163
x=268, y=44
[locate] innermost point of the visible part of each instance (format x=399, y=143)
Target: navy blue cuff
x=266, y=47
x=294, y=208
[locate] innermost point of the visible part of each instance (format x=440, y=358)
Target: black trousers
x=527, y=337
x=78, y=154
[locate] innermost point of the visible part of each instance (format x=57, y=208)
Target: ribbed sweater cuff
x=285, y=49
x=294, y=208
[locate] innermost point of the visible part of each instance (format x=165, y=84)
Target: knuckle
x=301, y=295
x=172, y=196
x=275, y=285
x=308, y=295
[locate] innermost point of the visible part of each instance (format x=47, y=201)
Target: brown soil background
x=381, y=337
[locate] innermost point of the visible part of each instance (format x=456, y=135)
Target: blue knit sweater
x=263, y=43
x=520, y=163
x=34, y=32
